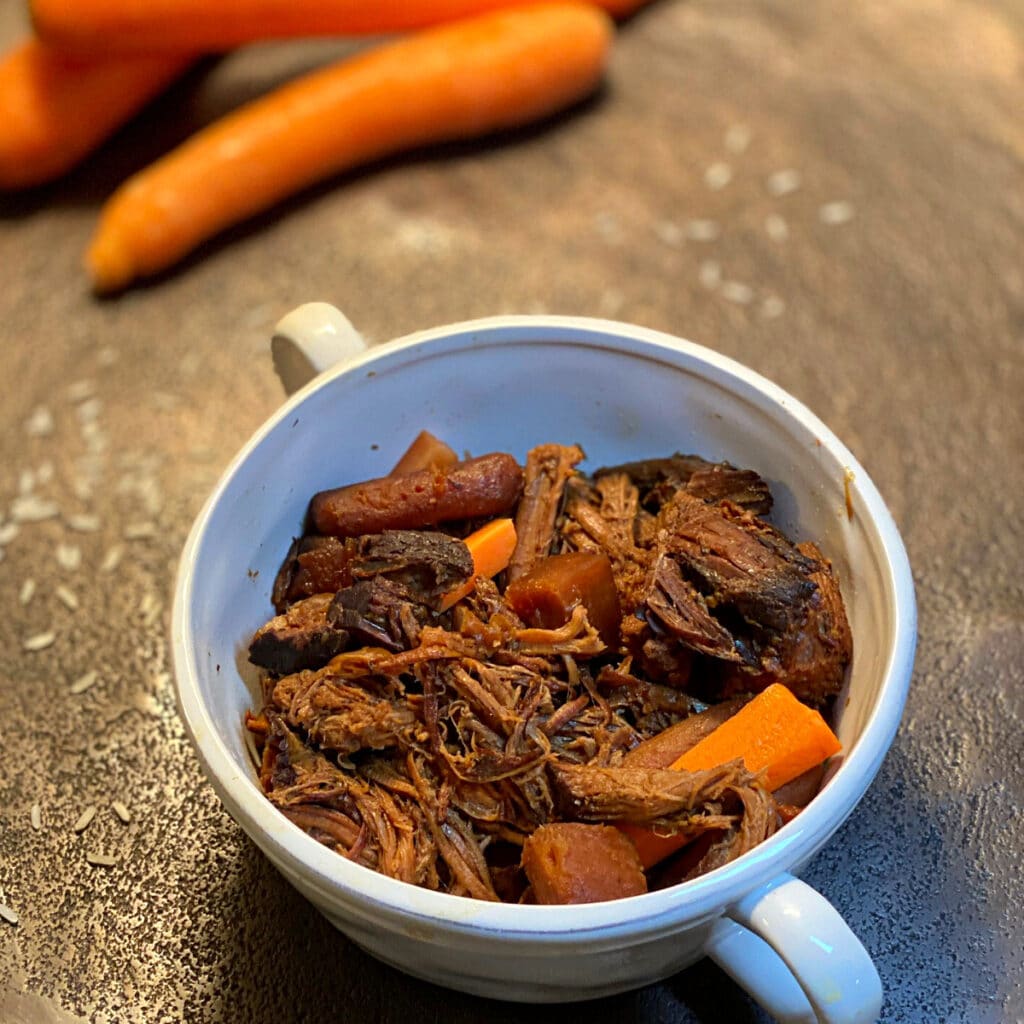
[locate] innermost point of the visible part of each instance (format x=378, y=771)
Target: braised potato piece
x=567, y=862
x=546, y=595
x=426, y=452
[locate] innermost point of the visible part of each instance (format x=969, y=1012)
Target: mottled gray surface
x=903, y=327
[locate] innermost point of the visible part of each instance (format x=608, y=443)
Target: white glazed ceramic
x=624, y=393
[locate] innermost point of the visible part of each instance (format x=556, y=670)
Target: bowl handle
x=792, y=951
x=310, y=339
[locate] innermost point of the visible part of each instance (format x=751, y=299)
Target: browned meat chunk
x=659, y=479
x=428, y=564
x=300, y=638
x=378, y=612
x=654, y=796
x=313, y=565
x=737, y=561
x=676, y=607
x=811, y=657
x=341, y=716
x=548, y=468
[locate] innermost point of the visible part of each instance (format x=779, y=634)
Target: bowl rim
x=345, y=885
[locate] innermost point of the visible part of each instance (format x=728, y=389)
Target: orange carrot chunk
x=491, y=547
x=774, y=734
x=197, y=26
x=567, y=862
x=458, y=81
x=55, y=109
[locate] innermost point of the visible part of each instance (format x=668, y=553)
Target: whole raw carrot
x=56, y=108
x=774, y=733
x=201, y=26
x=457, y=81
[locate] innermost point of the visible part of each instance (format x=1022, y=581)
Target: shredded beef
x=659, y=479
x=302, y=637
x=548, y=468
x=426, y=563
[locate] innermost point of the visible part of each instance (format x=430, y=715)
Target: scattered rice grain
x=101, y=860
x=121, y=811
x=84, y=522
x=112, y=559
x=7, y=914
x=8, y=532
x=710, y=274
x=669, y=233
x=26, y=481
x=84, y=819
x=139, y=531
x=39, y=641
x=40, y=422
x=609, y=228
x=737, y=138
x=69, y=556
x=718, y=175
x=165, y=400
x=152, y=608
x=776, y=227
x=838, y=212
x=736, y=291
x=67, y=598
x=781, y=183
x=80, y=390
x=89, y=411
x=772, y=306
x=44, y=472
x=702, y=230
x=30, y=508
x=106, y=356
x=83, y=682
x=27, y=592
x=35, y=817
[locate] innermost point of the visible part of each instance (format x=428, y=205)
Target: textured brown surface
x=902, y=327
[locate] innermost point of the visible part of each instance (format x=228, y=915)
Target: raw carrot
x=198, y=26
x=457, y=81
x=491, y=547
x=56, y=108
x=774, y=734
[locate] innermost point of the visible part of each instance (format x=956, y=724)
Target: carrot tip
x=108, y=263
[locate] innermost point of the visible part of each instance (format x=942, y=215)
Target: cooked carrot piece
x=667, y=746
x=425, y=452
x=491, y=547
x=568, y=862
x=55, y=109
x=461, y=80
x=774, y=734
x=197, y=26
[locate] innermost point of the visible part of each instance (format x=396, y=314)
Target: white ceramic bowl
x=624, y=393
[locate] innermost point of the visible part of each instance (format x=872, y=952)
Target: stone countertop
x=881, y=282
